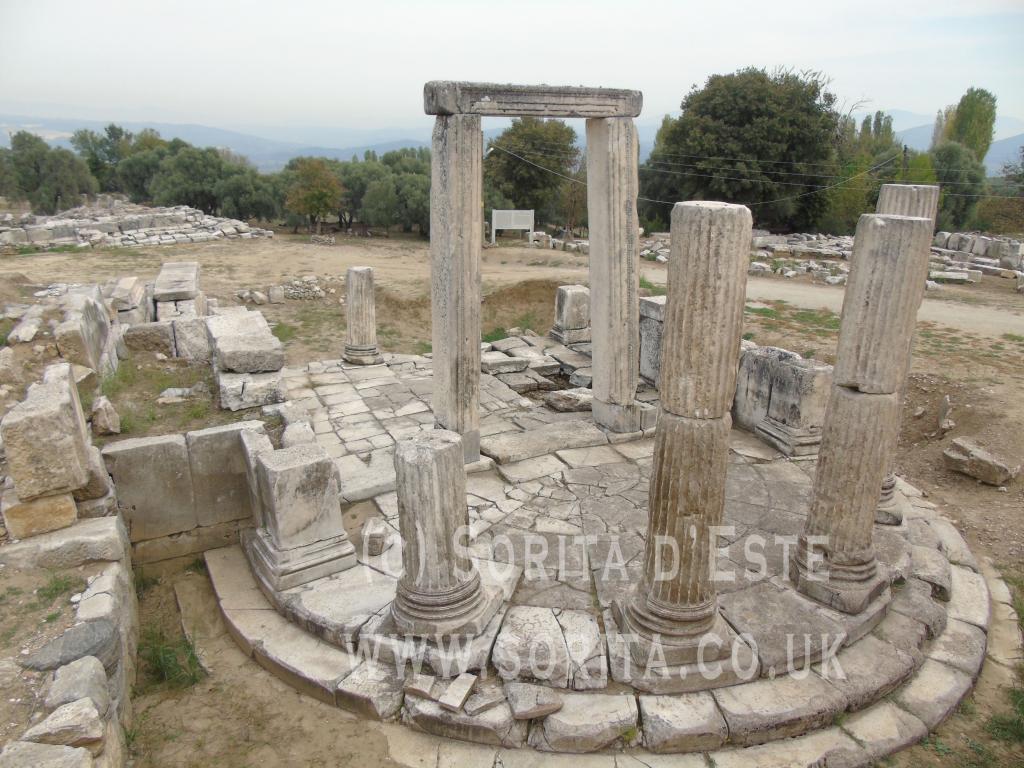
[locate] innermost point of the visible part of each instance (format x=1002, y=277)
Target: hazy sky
x=363, y=64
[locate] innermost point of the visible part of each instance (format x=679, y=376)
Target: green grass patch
x=144, y=582
x=496, y=334
x=654, y=290
x=172, y=661
x=58, y=585
x=769, y=312
x=51, y=617
x=423, y=347
x=1014, y=337
x=6, y=326
x=284, y=332
x=1009, y=727
x=817, y=318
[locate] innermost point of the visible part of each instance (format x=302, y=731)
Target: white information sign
x=510, y=220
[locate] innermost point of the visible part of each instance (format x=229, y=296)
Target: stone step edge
x=858, y=727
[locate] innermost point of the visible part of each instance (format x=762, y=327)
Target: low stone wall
x=122, y=224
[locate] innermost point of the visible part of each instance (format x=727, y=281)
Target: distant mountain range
x=271, y=154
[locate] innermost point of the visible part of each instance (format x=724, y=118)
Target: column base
x=673, y=647
x=569, y=336
x=362, y=355
x=281, y=569
x=893, y=510
x=463, y=613
x=790, y=441
x=847, y=595
x=634, y=417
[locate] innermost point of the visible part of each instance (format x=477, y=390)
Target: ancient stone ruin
x=700, y=547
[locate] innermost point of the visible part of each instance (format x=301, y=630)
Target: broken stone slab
x=494, y=726
x=766, y=710
x=81, y=679
x=457, y=692
x=376, y=536
x=867, y=670
x=931, y=566
x=238, y=391
x=91, y=638
x=177, y=280
x=153, y=478
x=104, y=417
x=102, y=539
x=44, y=438
x=962, y=646
x=508, y=344
x=969, y=598
x=498, y=362
x=217, y=465
x=41, y=515
x=509, y=447
x=76, y=724
x=444, y=97
x=686, y=722
x=297, y=433
x=531, y=646
x=98, y=484
x=151, y=337
x=934, y=692
x=371, y=689
x=828, y=748
x=419, y=684
x=191, y=339
x=28, y=754
x=884, y=729
x=588, y=658
x=914, y=599
x=578, y=399
x=531, y=469
x=952, y=543
x=128, y=293
x=243, y=343
x=531, y=701
x=970, y=459
x=587, y=723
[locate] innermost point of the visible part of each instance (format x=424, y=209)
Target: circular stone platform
x=553, y=671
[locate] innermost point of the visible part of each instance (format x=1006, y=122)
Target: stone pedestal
x=572, y=315
x=796, y=409
x=672, y=619
x=361, y=339
x=439, y=593
x=303, y=538
x=614, y=274
x=456, y=234
x=835, y=561
x=902, y=200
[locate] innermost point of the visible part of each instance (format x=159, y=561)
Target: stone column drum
x=674, y=612
x=614, y=274
x=361, y=340
x=456, y=238
x=902, y=200
x=835, y=560
x=439, y=593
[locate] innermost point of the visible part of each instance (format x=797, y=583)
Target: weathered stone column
x=902, y=200
x=361, y=341
x=676, y=604
x=612, y=157
x=456, y=234
x=835, y=560
x=439, y=593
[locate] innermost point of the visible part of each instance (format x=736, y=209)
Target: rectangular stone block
x=572, y=307
x=128, y=293
x=98, y=484
x=30, y=518
x=191, y=340
x=217, y=461
x=508, y=447
x=44, y=439
x=151, y=337
x=253, y=443
x=443, y=97
x=243, y=343
x=796, y=410
x=153, y=478
x=299, y=488
x=177, y=280
x=651, y=332
x=754, y=384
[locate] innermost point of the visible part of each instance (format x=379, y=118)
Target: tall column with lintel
x=612, y=157
x=835, y=559
x=673, y=616
x=920, y=200
x=456, y=234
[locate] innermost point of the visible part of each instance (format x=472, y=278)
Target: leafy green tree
x=1013, y=174
x=414, y=201
x=65, y=179
x=28, y=155
x=245, y=194
x=137, y=171
x=103, y=152
x=315, y=190
x=380, y=203
x=547, y=143
x=355, y=178
x=753, y=137
x=8, y=179
x=189, y=177
x=958, y=169
x=973, y=123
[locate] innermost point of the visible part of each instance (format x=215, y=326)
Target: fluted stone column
x=456, y=234
x=612, y=157
x=902, y=200
x=835, y=560
x=361, y=340
x=674, y=608
x=439, y=593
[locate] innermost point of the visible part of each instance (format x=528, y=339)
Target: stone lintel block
x=217, y=460
x=707, y=279
x=178, y=280
x=889, y=266
x=572, y=308
x=153, y=478
x=45, y=441
x=445, y=97
x=40, y=515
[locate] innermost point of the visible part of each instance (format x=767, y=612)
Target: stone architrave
x=902, y=200
x=303, y=538
x=614, y=274
x=673, y=617
x=361, y=340
x=572, y=315
x=456, y=227
x=835, y=560
x=440, y=592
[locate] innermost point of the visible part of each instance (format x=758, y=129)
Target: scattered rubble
x=967, y=457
